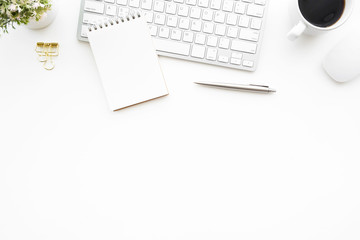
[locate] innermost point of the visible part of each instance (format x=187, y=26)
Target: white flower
x=13, y=7
x=36, y=5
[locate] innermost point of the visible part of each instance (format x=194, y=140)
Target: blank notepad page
x=127, y=62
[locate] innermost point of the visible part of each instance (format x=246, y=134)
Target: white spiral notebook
x=127, y=61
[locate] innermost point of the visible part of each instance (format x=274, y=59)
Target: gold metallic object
x=46, y=52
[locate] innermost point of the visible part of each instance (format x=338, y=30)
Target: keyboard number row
x=172, y=8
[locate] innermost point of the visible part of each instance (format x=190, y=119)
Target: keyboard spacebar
x=172, y=47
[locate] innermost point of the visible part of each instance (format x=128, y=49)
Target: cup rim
x=348, y=9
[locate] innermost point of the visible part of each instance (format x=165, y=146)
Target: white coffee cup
x=304, y=26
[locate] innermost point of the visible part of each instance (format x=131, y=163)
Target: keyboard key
x=153, y=30
x=200, y=39
x=183, y=11
x=164, y=32
x=191, y=2
x=195, y=12
x=146, y=4
x=248, y=34
x=235, y=61
x=228, y=5
x=172, y=21
x=84, y=31
x=236, y=55
x=220, y=30
x=170, y=8
x=223, y=59
x=224, y=43
x=184, y=23
x=188, y=37
x=211, y=54
x=243, y=46
x=198, y=51
x=232, y=32
x=93, y=18
x=149, y=17
x=240, y=7
x=122, y=2
x=172, y=47
x=260, y=2
x=95, y=7
x=208, y=27
x=215, y=4
x=159, y=6
x=134, y=3
x=231, y=19
x=212, y=41
x=244, y=21
x=203, y=3
x=160, y=19
x=196, y=25
x=256, y=23
x=219, y=17
x=110, y=1
x=122, y=12
x=176, y=34
x=111, y=10
x=207, y=15
x=247, y=63
x=255, y=10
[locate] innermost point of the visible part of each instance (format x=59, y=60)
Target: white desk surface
x=200, y=164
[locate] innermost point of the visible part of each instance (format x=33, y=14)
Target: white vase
x=45, y=20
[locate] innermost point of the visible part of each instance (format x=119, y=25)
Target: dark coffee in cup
x=322, y=13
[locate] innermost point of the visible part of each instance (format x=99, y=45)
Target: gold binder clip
x=54, y=49
x=46, y=52
x=40, y=49
x=49, y=63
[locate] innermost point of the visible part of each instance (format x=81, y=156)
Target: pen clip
x=256, y=85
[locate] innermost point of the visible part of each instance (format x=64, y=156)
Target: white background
x=201, y=164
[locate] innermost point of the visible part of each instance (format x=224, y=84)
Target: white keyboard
x=226, y=33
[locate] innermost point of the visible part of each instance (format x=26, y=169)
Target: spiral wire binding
x=102, y=24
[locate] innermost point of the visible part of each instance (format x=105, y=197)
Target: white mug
x=303, y=26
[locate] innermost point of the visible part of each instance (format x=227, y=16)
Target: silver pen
x=250, y=87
